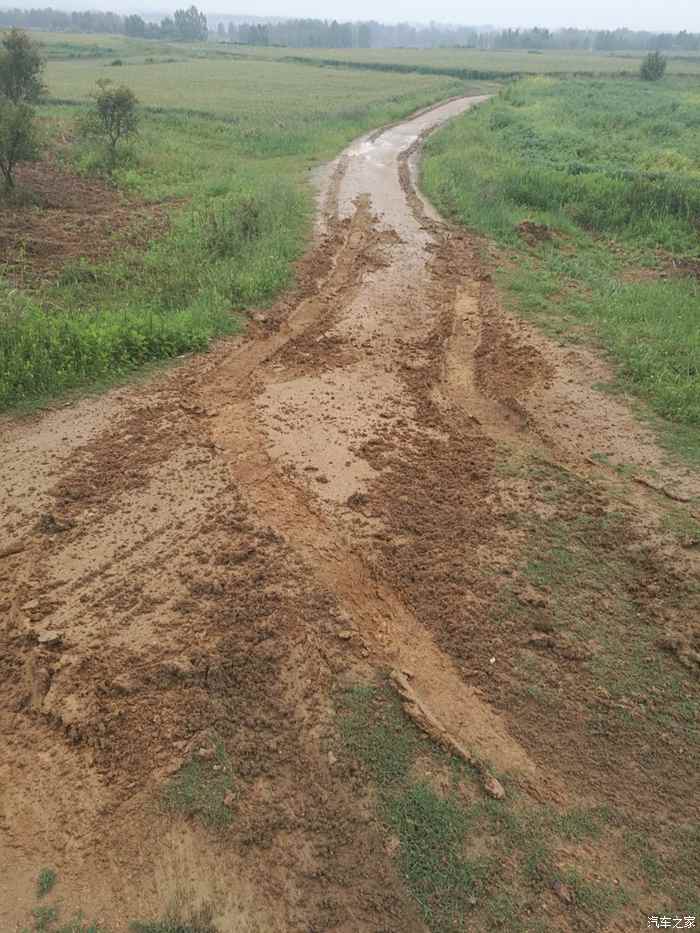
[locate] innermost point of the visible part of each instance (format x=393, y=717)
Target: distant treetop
x=192, y=25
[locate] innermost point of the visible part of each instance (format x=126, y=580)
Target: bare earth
x=347, y=492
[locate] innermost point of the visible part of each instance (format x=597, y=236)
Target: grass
x=453, y=61
x=594, y=602
x=171, y=926
x=473, y=62
x=199, y=789
x=611, y=170
x=46, y=919
x=576, y=558
x=46, y=881
x=593, y=686
x=228, y=144
x=469, y=862
x=199, y=921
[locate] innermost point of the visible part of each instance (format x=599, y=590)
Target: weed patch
x=199, y=921
x=203, y=790
x=46, y=881
x=469, y=862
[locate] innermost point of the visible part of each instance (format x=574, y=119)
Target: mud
x=212, y=556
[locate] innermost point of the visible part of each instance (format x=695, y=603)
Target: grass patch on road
x=201, y=788
x=46, y=881
x=609, y=173
x=470, y=862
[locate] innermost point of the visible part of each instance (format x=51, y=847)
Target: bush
x=653, y=68
x=20, y=85
x=113, y=118
x=18, y=140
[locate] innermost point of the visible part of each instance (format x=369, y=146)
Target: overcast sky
x=666, y=15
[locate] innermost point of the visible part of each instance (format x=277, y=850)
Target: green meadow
x=611, y=170
x=492, y=63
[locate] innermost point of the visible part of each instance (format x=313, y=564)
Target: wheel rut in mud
x=211, y=557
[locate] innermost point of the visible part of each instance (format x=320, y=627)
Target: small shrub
x=18, y=139
x=113, y=119
x=44, y=918
x=117, y=62
x=653, y=68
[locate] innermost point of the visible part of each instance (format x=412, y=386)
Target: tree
x=18, y=142
x=21, y=65
x=135, y=25
x=114, y=117
x=653, y=67
x=191, y=25
x=20, y=85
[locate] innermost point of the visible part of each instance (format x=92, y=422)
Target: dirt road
x=205, y=560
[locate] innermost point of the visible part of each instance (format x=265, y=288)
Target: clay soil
x=388, y=474
x=59, y=217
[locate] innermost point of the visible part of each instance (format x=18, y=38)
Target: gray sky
x=656, y=15
x=670, y=15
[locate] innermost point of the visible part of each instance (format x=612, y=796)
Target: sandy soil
x=218, y=551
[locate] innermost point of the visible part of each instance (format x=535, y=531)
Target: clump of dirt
x=534, y=233
x=65, y=218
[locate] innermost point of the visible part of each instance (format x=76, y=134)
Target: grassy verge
x=610, y=172
x=229, y=145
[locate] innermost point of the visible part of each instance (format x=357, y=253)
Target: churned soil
x=388, y=474
x=58, y=217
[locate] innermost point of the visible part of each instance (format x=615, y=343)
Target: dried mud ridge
x=349, y=493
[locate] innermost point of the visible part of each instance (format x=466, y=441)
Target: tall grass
x=45, y=354
x=613, y=169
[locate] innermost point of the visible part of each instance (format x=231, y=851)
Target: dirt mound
x=534, y=233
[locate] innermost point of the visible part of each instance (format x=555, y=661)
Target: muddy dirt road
x=192, y=568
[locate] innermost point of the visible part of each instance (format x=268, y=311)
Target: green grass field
x=521, y=62
x=612, y=168
x=232, y=141
x=498, y=62
x=264, y=97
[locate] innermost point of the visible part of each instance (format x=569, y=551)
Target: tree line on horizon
x=192, y=25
